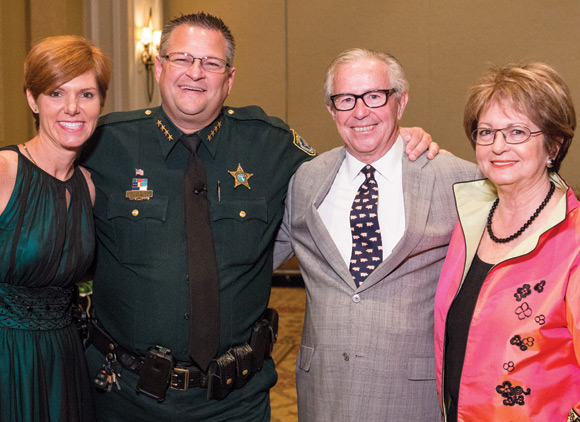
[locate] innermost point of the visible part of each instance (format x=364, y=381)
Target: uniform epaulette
x=125, y=116
x=254, y=113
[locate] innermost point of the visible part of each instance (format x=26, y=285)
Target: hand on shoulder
x=418, y=141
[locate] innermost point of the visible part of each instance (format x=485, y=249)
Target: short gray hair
x=396, y=74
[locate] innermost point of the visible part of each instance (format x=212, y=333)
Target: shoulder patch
x=125, y=116
x=300, y=143
x=256, y=113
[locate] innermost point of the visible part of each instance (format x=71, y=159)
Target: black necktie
x=367, y=245
x=203, y=275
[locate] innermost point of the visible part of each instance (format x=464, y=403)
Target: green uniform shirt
x=141, y=287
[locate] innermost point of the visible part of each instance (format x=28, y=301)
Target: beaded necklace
x=525, y=226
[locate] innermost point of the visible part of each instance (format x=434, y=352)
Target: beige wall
x=284, y=47
x=14, y=123
x=23, y=23
x=259, y=30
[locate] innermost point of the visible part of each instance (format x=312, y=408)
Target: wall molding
x=111, y=24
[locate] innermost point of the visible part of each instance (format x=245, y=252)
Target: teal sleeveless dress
x=46, y=245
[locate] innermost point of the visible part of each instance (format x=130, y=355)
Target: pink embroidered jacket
x=522, y=354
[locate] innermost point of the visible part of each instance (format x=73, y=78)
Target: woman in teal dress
x=47, y=235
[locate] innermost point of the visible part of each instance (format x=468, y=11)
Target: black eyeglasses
x=372, y=99
x=513, y=135
x=186, y=60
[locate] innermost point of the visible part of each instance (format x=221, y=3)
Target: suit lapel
x=320, y=236
x=417, y=193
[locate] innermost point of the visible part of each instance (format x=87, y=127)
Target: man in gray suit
x=367, y=342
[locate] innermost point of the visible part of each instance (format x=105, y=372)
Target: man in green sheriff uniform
x=141, y=281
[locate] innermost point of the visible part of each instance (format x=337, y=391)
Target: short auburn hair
x=533, y=89
x=56, y=60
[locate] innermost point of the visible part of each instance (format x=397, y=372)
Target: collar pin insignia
x=214, y=131
x=164, y=130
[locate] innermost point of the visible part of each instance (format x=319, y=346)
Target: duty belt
x=232, y=370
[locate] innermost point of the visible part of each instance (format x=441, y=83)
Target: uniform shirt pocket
x=239, y=227
x=140, y=230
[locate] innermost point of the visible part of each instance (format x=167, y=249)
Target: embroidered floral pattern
x=512, y=395
x=509, y=366
x=540, y=286
x=515, y=394
x=522, y=343
x=524, y=311
x=522, y=292
x=525, y=290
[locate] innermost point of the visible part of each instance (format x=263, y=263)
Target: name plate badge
x=139, y=191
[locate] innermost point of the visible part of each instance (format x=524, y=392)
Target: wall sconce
x=150, y=40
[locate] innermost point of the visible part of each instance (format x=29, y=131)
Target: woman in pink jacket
x=507, y=308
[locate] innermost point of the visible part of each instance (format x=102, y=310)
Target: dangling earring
x=550, y=163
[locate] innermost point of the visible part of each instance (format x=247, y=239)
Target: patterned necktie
x=202, y=268
x=367, y=246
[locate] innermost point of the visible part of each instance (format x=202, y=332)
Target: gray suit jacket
x=367, y=353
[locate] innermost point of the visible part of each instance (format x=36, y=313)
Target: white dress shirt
x=335, y=208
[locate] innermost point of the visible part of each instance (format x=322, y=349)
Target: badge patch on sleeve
x=302, y=144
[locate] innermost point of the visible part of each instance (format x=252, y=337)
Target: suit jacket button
x=356, y=298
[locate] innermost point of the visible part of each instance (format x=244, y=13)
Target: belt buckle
x=176, y=383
